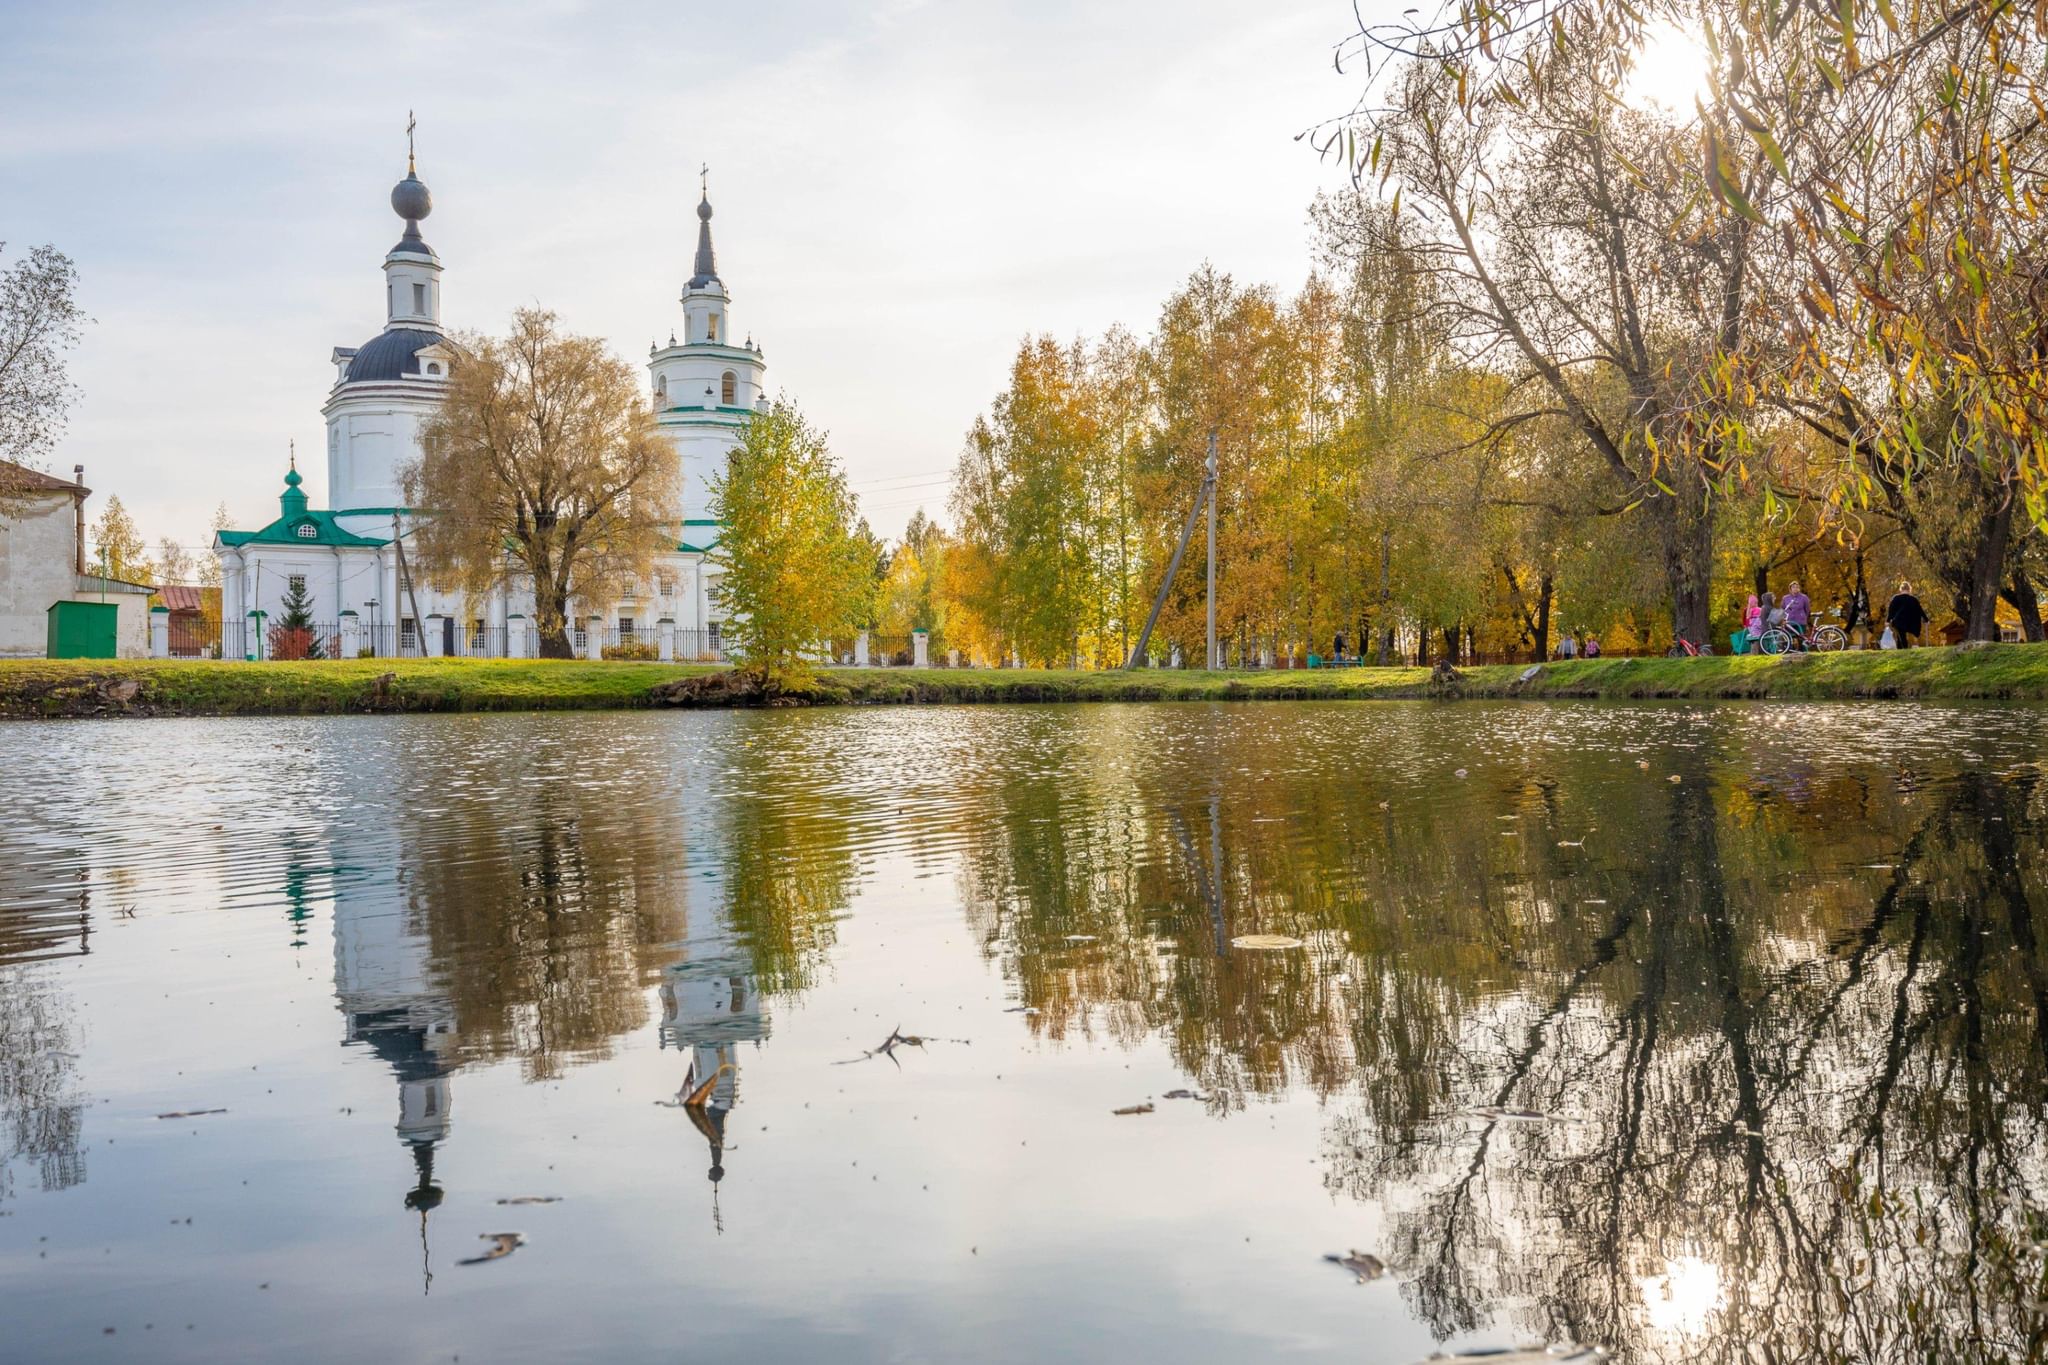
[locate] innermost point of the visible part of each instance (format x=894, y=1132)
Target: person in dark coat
x=1905, y=616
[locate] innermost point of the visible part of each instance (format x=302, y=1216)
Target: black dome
x=390, y=355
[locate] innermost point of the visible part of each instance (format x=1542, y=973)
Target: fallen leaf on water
x=1642, y=763
x=1132, y=1109
x=1184, y=1095
x=190, y=1113
x=1364, y=1265
x=1674, y=778
x=1080, y=938
x=503, y=1244
x=533, y=1199
x=1265, y=941
x=1459, y=773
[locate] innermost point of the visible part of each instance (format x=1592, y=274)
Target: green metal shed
x=83, y=630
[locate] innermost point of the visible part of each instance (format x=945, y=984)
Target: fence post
x=351, y=635
x=920, y=649
x=159, y=632
x=430, y=637
x=860, y=650
x=252, y=639
x=665, y=628
x=952, y=658
x=593, y=639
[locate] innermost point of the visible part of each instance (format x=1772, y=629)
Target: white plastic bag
x=1887, y=640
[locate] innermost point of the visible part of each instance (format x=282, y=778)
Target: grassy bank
x=36, y=687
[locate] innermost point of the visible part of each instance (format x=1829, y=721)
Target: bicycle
x=1822, y=639
x=1686, y=649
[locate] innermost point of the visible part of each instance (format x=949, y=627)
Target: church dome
x=410, y=200
x=390, y=355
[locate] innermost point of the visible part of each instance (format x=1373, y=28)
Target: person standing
x=1798, y=611
x=1905, y=616
x=1568, y=647
x=1592, y=646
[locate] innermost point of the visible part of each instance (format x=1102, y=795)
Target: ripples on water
x=1698, y=1032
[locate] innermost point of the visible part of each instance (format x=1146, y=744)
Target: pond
x=1690, y=1032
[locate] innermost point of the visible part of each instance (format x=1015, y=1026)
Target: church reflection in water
x=710, y=1008
x=384, y=985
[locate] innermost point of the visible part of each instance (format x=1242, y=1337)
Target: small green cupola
x=292, y=501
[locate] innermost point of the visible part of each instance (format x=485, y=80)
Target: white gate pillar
x=920, y=649
x=351, y=635
x=159, y=632
x=860, y=650
x=593, y=638
x=666, y=629
x=430, y=639
x=515, y=636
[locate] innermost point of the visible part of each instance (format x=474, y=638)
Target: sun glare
x=1670, y=71
x=1685, y=1297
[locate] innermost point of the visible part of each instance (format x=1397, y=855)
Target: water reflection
x=1702, y=1034
x=1695, y=1062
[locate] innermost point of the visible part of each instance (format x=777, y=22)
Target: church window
x=308, y=531
x=419, y=300
x=433, y=367
x=728, y=388
x=711, y=326
x=661, y=390
x=297, y=583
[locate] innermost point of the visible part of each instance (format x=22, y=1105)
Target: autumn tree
x=544, y=465
x=797, y=561
x=40, y=321
x=117, y=544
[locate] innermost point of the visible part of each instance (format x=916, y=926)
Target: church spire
x=707, y=263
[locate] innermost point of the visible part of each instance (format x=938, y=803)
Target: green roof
x=285, y=531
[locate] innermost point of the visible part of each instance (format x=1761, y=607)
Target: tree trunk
x=1545, y=590
x=2021, y=595
x=1686, y=537
x=1451, y=634
x=1763, y=580
x=1980, y=621
x=1387, y=634
x=551, y=611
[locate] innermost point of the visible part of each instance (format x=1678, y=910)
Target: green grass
x=38, y=687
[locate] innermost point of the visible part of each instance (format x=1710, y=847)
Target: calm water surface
x=1696, y=1033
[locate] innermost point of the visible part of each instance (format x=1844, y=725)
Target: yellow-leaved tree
x=798, y=562
x=543, y=463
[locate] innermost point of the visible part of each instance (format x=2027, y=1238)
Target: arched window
x=661, y=391
x=728, y=389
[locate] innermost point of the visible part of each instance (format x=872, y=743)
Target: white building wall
x=369, y=439
x=38, y=566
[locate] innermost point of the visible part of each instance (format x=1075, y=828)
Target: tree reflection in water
x=1785, y=1033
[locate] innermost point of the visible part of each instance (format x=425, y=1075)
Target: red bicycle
x=1686, y=649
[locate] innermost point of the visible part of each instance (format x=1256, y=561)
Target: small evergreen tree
x=293, y=637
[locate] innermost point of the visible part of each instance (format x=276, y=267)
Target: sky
x=903, y=191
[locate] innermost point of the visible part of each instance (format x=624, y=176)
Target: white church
x=354, y=561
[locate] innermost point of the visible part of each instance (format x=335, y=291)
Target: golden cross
x=410, y=124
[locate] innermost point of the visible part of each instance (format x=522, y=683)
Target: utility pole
x=1209, y=483
x=419, y=622
x=1187, y=533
